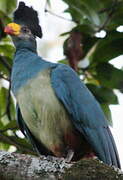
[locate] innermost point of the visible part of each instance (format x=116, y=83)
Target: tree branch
x=15, y=166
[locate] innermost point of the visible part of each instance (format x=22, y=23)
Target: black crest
x=28, y=16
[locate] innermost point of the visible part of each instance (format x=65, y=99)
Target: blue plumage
x=55, y=110
x=85, y=112
x=25, y=67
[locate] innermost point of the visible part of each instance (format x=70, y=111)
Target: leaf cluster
x=8, y=127
x=98, y=23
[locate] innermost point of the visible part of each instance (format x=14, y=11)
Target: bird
x=55, y=110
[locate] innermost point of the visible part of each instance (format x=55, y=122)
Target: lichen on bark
x=15, y=166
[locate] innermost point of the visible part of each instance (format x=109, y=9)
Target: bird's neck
x=26, y=44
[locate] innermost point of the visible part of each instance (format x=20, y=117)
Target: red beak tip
x=8, y=30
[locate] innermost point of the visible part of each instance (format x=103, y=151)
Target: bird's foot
x=52, y=158
x=68, y=158
x=90, y=155
x=70, y=155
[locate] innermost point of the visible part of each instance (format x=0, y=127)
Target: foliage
x=92, y=17
x=8, y=126
x=83, y=44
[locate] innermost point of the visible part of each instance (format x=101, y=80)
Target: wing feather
x=86, y=113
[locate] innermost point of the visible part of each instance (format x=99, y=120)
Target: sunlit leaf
x=7, y=6
x=12, y=124
x=4, y=146
x=3, y=98
x=7, y=50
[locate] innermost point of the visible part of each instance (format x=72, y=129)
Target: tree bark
x=15, y=166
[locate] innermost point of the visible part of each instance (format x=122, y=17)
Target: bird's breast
x=43, y=113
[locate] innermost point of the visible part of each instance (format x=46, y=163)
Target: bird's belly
x=44, y=114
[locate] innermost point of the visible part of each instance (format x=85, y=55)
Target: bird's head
x=25, y=27
x=26, y=23
x=17, y=30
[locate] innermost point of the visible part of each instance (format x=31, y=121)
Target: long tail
x=114, y=153
x=104, y=145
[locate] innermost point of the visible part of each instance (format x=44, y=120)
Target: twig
x=4, y=130
x=46, y=4
x=104, y=10
x=110, y=14
x=105, y=22
x=108, y=9
x=12, y=141
x=58, y=16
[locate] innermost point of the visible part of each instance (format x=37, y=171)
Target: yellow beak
x=12, y=29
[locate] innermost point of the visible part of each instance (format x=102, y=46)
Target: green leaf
x=12, y=110
x=7, y=6
x=12, y=124
x=117, y=18
x=86, y=11
x=103, y=95
x=109, y=76
x=63, y=61
x=107, y=112
x=107, y=3
x=4, y=146
x=3, y=69
x=3, y=97
x=2, y=33
x=3, y=105
x=86, y=29
x=22, y=142
x=1, y=124
x=7, y=50
x=108, y=47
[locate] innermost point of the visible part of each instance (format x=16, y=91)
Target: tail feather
x=116, y=155
x=111, y=149
x=104, y=145
x=99, y=144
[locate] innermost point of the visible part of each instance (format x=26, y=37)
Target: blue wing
x=86, y=114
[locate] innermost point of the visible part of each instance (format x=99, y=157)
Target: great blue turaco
x=55, y=110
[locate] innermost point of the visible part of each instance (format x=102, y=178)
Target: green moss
x=91, y=170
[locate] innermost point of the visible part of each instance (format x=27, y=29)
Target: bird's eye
x=25, y=29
